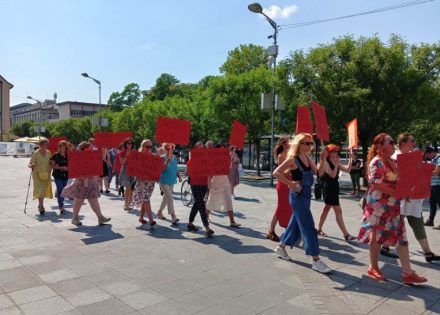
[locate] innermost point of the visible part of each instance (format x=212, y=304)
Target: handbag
x=363, y=201
x=43, y=175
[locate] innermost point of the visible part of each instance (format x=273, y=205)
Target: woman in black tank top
x=330, y=181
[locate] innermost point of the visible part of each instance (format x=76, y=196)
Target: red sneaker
x=376, y=274
x=412, y=278
x=142, y=220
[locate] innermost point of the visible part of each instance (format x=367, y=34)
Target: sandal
x=209, y=233
x=142, y=220
x=348, y=237
x=41, y=210
x=153, y=223
x=412, y=278
x=175, y=221
x=161, y=216
x=272, y=236
x=376, y=274
x=321, y=233
x=429, y=257
x=192, y=227
x=62, y=211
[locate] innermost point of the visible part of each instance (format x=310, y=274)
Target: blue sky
x=46, y=44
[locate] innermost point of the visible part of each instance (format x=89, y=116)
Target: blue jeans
x=301, y=222
x=60, y=183
x=110, y=175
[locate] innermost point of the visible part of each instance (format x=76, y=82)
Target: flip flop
x=321, y=233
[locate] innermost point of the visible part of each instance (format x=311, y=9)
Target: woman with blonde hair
x=283, y=211
x=40, y=165
x=58, y=162
x=301, y=224
x=382, y=222
x=85, y=188
x=330, y=181
x=144, y=189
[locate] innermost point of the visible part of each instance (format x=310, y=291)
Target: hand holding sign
x=85, y=163
x=173, y=130
x=238, y=134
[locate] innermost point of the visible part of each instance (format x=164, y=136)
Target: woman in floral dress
x=144, y=189
x=382, y=222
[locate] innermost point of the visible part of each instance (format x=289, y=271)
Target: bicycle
x=186, y=194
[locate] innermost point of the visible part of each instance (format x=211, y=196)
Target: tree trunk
x=257, y=152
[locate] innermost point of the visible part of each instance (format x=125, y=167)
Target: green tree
x=244, y=59
x=129, y=96
x=23, y=129
x=165, y=86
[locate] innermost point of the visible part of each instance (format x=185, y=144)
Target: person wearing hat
x=434, y=200
x=331, y=190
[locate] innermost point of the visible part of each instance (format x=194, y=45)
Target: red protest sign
x=352, y=129
x=53, y=143
x=85, y=163
x=320, y=121
x=423, y=187
x=173, y=130
x=145, y=166
x=238, y=134
x=303, y=122
x=111, y=139
x=209, y=162
x=408, y=173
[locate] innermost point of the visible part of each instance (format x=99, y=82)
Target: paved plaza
x=49, y=266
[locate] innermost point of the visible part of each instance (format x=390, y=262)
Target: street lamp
x=273, y=53
x=41, y=116
x=85, y=75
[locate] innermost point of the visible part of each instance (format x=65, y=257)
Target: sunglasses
x=130, y=143
x=148, y=146
x=307, y=143
x=389, y=142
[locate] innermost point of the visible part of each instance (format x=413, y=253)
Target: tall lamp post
x=273, y=53
x=85, y=75
x=41, y=118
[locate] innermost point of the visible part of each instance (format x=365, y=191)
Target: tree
x=22, y=129
x=129, y=96
x=244, y=59
x=163, y=88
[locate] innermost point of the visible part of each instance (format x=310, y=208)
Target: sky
x=45, y=45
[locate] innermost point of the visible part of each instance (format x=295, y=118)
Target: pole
x=272, y=123
x=99, y=84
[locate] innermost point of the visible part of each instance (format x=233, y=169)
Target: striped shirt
x=435, y=180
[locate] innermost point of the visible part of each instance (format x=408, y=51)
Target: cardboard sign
x=85, y=163
x=320, y=121
x=145, y=166
x=303, y=122
x=172, y=130
x=352, y=129
x=209, y=162
x=111, y=139
x=53, y=143
x=238, y=134
x=423, y=187
x=407, y=170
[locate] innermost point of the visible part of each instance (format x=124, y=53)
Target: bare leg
x=374, y=251
x=77, y=203
x=147, y=209
x=40, y=202
x=231, y=216
x=425, y=246
x=402, y=251
x=340, y=220
x=106, y=184
x=127, y=196
x=323, y=216
x=94, y=204
x=273, y=223
x=141, y=215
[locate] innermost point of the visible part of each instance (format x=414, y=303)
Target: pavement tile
x=10, y=264
x=58, y=275
x=71, y=286
x=107, y=307
x=32, y=294
x=142, y=299
x=53, y=305
x=18, y=279
x=11, y=311
x=227, y=308
x=5, y=301
x=88, y=296
x=168, y=307
x=123, y=287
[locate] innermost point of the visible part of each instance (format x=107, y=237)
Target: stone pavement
x=48, y=266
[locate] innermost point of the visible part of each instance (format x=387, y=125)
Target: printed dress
x=82, y=188
x=142, y=192
x=382, y=211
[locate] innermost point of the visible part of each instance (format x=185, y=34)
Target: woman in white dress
x=220, y=197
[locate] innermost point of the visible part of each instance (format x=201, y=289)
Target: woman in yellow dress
x=40, y=165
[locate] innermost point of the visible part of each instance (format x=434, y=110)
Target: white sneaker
x=321, y=267
x=281, y=252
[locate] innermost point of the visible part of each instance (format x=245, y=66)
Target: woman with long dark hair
x=382, y=222
x=58, y=163
x=124, y=180
x=283, y=212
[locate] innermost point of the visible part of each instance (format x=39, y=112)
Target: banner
x=320, y=121
x=173, y=130
x=85, y=163
x=53, y=143
x=209, y=162
x=423, y=187
x=352, y=129
x=145, y=166
x=303, y=122
x=238, y=134
x=111, y=139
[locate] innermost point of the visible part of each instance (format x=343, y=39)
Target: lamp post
x=41, y=116
x=273, y=53
x=85, y=75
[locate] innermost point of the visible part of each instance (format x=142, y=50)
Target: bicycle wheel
x=186, y=194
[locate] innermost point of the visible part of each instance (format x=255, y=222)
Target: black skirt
x=331, y=192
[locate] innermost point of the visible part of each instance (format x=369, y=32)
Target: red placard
x=352, y=129
x=238, y=134
x=85, y=163
x=53, y=143
x=173, y=130
x=209, y=162
x=320, y=121
x=111, y=139
x=303, y=122
x=145, y=166
x=407, y=169
x=423, y=187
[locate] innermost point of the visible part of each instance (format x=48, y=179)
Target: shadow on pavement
x=248, y=199
x=232, y=245
x=97, y=234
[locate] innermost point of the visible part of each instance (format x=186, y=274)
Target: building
x=5, y=86
x=49, y=111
